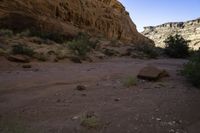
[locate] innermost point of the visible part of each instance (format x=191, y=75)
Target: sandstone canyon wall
x=190, y=30
x=68, y=17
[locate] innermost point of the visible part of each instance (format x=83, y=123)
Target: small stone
x=84, y=95
x=158, y=119
x=171, y=131
x=90, y=114
x=179, y=121
x=170, y=123
x=58, y=101
x=75, y=118
x=27, y=66
x=117, y=99
x=75, y=59
x=81, y=88
x=36, y=70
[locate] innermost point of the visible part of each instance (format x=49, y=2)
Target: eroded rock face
x=190, y=30
x=68, y=17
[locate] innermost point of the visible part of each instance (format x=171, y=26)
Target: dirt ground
x=44, y=98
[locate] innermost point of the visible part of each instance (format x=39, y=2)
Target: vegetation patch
x=148, y=50
x=22, y=50
x=2, y=52
x=80, y=46
x=176, y=47
x=191, y=70
x=130, y=81
x=91, y=122
x=41, y=57
x=14, y=126
x=6, y=33
x=56, y=37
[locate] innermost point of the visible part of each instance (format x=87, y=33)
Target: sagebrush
x=81, y=45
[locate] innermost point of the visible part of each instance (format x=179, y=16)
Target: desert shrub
x=24, y=33
x=176, y=47
x=130, y=81
x=191, y=70
x=90, y=122
x=23, y=50
x=41, y=57
x=6, y=32
x=2, y=51
x=149, y=50
x=56, y=37
x=81, y=45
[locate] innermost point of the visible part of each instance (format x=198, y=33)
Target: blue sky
x=155, y=12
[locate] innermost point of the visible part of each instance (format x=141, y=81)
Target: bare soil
x=44, y=98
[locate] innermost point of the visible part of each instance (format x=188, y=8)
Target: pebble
x=75, y=118
x=171, y=131
x=158, y=119
x=117, y=99
x=27, y=66
x=81, y=88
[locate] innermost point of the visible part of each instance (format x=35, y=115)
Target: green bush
x=6, y=32
x=90, y=122
x=149, y=50
x=41, y=57
x=2, y=51
x=25, y=33
x=23, y=50
x=56, y=37
x=176, y=47
x=130, y=81
x=191, y=70
x=81, y=45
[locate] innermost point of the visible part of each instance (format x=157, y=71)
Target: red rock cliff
x=106, y=17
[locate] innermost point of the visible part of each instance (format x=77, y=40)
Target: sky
x=156, y=12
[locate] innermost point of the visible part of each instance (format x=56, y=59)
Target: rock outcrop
x=190, y=30
x=68, y=17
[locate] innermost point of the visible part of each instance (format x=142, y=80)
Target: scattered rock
x=36, y=70
x=58, y=100
x=158, y=119
x=75, y=59
x=171, y=131
x=84, y=95
x=99, y=55
x=90, y=114
x=27, y=66
x=75, y=118
x=152, y=73
x=81, y=88
x=19, y=58
x=117, y=99
x=125, y=51
x=110, y=51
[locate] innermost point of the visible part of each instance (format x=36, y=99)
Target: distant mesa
x=190, y=30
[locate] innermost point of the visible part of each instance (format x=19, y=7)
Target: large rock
x=190, y=30
x=152, y=73
x=68, y=17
